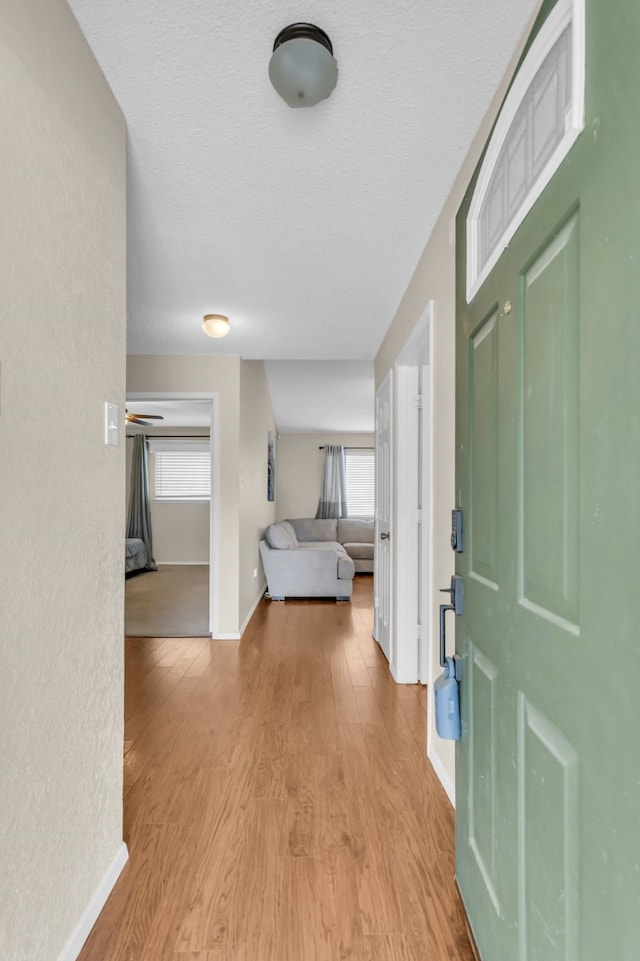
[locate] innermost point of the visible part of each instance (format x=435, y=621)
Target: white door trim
x=214, y=509
x=404, y=663
x=381, y=570
x=413, y=538
x=427, y=546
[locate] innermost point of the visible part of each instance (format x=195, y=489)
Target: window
x=360, y=466
x=541, y=118
x=182, y=470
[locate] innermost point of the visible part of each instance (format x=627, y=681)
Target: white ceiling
x=335, y=392
x=304, y=226
x=174, y=413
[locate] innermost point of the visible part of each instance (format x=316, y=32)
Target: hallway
x=278, y=802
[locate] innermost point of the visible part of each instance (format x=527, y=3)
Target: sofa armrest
x=307, y=562
x=307, y=573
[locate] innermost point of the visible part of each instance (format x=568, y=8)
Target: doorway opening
x=179, y=599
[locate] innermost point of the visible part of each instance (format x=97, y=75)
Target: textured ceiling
x=322, y=395
x=304, y=226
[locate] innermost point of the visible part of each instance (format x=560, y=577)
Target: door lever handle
x=456, y=594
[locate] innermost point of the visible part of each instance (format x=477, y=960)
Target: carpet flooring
x=170, y=602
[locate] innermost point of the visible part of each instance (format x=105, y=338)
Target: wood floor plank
x=216, y=955
x=343, y=694
x=278, y=802
x=390, y=947
x=130, y=913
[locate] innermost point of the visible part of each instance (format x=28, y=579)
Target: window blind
x=183, y=475
x=360, y=467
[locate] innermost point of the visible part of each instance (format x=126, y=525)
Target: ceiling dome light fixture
x=216, y=325
x=302, y=67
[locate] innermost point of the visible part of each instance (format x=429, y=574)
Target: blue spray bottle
x=448, y=702
x=446, y=688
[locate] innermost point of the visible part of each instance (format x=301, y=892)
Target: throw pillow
x=286, y=526
x=278, y=538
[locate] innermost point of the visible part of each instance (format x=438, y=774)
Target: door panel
x=548, y=472
x=549, y=402
x=483, y=755
x=548, y=860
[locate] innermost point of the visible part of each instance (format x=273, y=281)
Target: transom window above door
x=540, y=119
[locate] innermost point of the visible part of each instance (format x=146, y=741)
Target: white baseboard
x=82, y=930
x=400, y=679
x=236, y=637
x=443, y=775
x=182, y=563
x=253, y=609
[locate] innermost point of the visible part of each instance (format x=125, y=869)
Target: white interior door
x=411, y=511
x=382, y=575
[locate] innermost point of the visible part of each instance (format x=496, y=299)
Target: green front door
x=548, y=476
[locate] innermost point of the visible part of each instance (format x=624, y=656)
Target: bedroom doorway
x=177, y=599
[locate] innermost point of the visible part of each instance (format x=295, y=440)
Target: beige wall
x=163, y=375
x=256, y=512
x=434, y=279
x=299, y=469
x=180, y=531
x=62, y=268
x=245, y=415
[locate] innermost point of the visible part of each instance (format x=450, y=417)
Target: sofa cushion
x=279, y=538
x=346, y=567
x=356, y=530
x=290, y=531
x=322, y=546
x=314, y=528
x=360, y=551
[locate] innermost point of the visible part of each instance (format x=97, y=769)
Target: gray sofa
x=356, y=534
x=304, y=557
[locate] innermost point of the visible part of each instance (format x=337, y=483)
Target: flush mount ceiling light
x=302, y=67
x=215, y=325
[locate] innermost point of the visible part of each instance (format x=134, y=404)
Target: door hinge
x=419, y=631
x=419, y=401
x=419, y=515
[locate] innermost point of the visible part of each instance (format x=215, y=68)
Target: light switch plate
x=111, y=433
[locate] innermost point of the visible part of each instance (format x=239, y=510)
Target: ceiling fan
x=142, y=419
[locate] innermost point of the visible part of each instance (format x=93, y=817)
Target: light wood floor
x=278, y=802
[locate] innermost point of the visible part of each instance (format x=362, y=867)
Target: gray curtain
x=333, y=497
x=139, y=521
